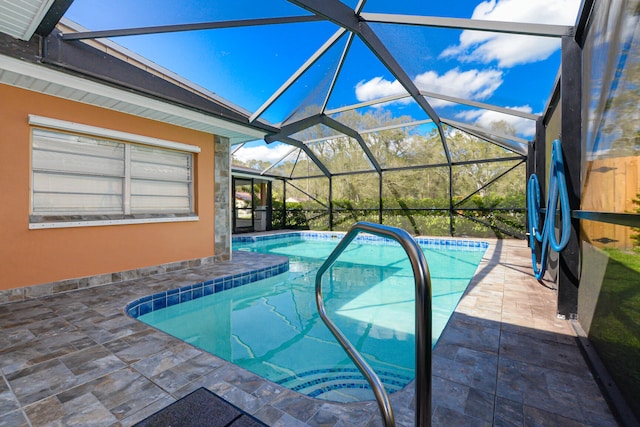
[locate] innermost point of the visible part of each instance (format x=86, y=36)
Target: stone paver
x=505, y=339
x=504, y=359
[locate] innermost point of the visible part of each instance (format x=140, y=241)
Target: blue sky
x=246, y=65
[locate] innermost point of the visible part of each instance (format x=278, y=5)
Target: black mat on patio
x=202, y=408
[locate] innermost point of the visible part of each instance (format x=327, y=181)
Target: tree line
x=484, y=189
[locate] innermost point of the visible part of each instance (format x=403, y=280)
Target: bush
x=427, y=216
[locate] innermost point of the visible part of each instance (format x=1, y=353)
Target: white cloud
x=485, y=119
x=509, y=50
x=262, y=152
x=471, y=84
x=376, y=88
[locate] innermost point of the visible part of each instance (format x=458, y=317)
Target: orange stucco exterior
x=30, y=257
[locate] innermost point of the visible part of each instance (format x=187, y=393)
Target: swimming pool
x=271, y=327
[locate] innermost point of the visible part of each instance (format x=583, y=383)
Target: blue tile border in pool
x=168, y=298
x=425, y=242
x=158, y=301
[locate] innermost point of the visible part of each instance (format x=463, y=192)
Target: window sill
x=105, y=222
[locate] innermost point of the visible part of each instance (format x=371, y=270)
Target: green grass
x=615, y=331
x=629, y=259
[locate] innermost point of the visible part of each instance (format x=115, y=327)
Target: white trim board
x=109, y=133
x=100, y=223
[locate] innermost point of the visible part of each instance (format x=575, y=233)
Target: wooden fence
x=611, y=185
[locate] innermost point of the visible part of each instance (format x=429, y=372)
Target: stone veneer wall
x=222, y=198
x=46, y=289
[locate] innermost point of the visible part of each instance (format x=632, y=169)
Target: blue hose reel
x=557, y=193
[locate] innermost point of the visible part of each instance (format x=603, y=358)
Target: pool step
x=318, y=382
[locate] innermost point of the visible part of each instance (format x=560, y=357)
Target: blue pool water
x=271, y=326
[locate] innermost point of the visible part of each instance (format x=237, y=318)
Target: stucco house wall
x=41, y=261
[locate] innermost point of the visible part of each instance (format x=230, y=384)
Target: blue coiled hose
x=557, y=192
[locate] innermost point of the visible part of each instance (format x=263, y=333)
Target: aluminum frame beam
x=394, y=126
x=56, y=11
x=299, y=72
x=486, y=135
x=342, y=15
x=294, y=127
x=307, y=150
x=334, y=124
x=238, y=148
x=315, y=199
x=332, y=85
x=417, y=123
x=462, y=101
x=360, y=6
x=85, y=35
x=279, y=160
x=571, y=86
x=494, y=160
x=462, y=126
x=317, y=119
x=295, y=163
x=415, y=167
x=382, y=100
x=500, y=142
x=486, y=184
x=482, y=105
x=522, y=28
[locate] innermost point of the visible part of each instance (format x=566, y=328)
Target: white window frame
x=45, y=123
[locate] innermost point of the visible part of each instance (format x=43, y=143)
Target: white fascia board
x=47, y=75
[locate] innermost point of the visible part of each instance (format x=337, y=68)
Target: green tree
x=471, y=177
x=417, y=196
x=621, y=114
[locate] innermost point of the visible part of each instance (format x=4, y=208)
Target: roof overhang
x=21, y=18
x=24, y=18
x=48, y=81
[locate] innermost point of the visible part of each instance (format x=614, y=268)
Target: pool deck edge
x=504, y=357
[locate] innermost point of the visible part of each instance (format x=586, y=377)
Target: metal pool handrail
x=423, y=321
